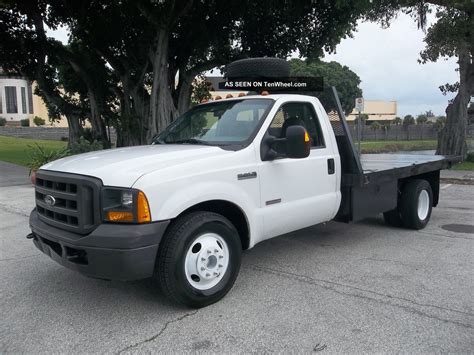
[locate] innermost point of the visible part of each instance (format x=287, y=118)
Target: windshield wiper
x=190, y=141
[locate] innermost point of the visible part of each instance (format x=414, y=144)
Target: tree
x=440, y=122
x=408, y=120
x=334, y=74
x=422, y=118
x=386, y=128
x=135, y=61
x=26, y=50
x=200, y=90
x=397, y=121
x=451, y=36
x=363, y=118
x=375, y=126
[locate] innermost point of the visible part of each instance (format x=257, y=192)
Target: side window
x=297, y=113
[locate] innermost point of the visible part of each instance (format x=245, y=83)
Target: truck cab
x=225, y=176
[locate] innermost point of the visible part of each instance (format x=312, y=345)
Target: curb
x=457, y=181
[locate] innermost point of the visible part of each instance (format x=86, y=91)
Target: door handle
x=331, y=167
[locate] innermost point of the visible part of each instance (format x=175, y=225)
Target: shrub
x=470, y=157
x=84, y=146
x=38, y=121
x=39, y=156
x=440, y=122
x=87, y=134
x=25, y=122
x=3, y=121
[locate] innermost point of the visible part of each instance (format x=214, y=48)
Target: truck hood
x=123, y=166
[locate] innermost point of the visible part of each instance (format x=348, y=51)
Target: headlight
x=125, y=206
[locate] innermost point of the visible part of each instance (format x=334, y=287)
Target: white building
x=377, y=110
x=16, y=98
x=18, y=102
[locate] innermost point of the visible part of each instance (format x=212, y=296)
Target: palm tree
x=374, y=127
x=408, y=120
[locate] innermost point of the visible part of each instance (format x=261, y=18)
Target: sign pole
x=359, y=106
x=359, y=129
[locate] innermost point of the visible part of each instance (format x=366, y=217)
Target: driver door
x=297, y=193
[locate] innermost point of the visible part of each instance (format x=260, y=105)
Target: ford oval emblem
x=49, y=200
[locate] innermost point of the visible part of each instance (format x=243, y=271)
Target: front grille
x=68, y=201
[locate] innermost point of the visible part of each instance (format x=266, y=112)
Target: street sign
x=359, y=104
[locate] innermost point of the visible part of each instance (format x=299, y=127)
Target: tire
x=393, y=218
x=191, y=244
x=416, y=204
x=258, y=67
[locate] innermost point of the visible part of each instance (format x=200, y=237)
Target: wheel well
x=230, y=211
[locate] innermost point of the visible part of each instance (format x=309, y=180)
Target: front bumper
x=112, y=251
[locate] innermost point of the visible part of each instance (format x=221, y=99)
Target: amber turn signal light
x=143, y=209
x=117, y=216
x=306, y=136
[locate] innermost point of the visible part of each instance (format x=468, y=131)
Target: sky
x=386, y=62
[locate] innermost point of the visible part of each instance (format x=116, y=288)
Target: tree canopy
x=132, y=63
x=334, y=74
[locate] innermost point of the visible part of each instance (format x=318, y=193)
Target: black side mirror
x=298, y=143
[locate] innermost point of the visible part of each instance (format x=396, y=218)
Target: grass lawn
x=394, y=146
x=465, y=165
x=16, y=150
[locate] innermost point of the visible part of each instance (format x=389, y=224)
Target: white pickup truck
x=225, y=176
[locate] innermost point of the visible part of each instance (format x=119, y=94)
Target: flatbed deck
x=372, y=163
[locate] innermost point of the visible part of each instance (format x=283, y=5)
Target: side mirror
x=298, y=143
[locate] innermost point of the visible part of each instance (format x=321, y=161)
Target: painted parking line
x=445, y=186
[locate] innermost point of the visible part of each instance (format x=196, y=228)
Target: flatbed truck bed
x=372, y=183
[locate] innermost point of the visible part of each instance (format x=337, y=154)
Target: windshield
x=220, y=123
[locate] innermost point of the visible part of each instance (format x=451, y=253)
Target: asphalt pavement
x=331, y=288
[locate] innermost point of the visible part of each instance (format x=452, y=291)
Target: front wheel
x=199, y=259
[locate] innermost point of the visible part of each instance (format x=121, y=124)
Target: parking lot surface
x=331, y=288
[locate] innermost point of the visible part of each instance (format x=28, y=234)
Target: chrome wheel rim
x=423, y=205
x=207, y=260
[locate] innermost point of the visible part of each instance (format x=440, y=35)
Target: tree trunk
x=162, y=107
x=74, y=128
x=452, y=139
x=98, y=126
x=185, y=90
x=127, y=127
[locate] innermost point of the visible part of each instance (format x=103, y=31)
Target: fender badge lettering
x=246, y=176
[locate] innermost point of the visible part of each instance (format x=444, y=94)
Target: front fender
x=169, y=200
